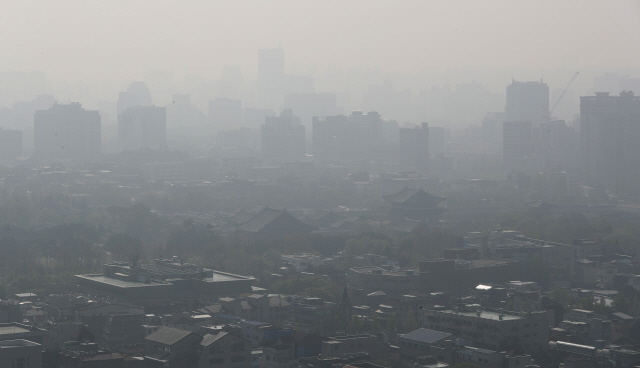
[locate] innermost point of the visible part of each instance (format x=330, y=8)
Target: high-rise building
x=527, y=101
x=414, y=148
x=609, y=134
x=271, y=77
x=10, y=144
x=67, y=132
x=225, y=113
x=283, y=139
x=436, y=141
x=517, y=143
x=181, y=113
x=142, y=127
x=358, y=136
x=136, y=95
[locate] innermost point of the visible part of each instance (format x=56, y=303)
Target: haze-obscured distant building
x=283, y=139
x=142, y=127
x=357, y=136
x=517, y=144
x=136, y=95
x=10, y=144
x=610, y=132
x=414, y=148
x=527, y=101
x=67, y=132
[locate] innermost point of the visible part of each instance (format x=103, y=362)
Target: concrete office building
x=414, y=148
x=10, y=144
x=20, y=353
x=142, y=127
x=527, y=101
x=493, y=329
x=67, y=132
x=283, y=139
x=610, y=131
x=517, y=144
x=137, y=94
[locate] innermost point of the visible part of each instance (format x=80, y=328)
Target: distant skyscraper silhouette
x=67, y=132
x=610, y=132
x=283, y=139
x=136, y=95
x=142, y=127
x=414, y=148
x=10, y=144
x=527, y=101
x=517, y=143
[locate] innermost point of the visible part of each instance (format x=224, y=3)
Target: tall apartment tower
x=283, y=139
x=142, y=127
x=609, y=135
x=517, y=143
x=271, y=78
x=10, y=144
x=67, y=132
x=414, y=148
x=527, y=101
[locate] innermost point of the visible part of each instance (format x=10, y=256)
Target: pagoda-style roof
x=275, y=222
x=241, y=217
x=414, y=196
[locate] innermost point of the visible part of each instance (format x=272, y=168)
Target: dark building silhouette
x=67, y=132
x=414, y=148
x=274, y=223
x=357, y=136
x=610, y=131
x=283, y=139
x=415, y=204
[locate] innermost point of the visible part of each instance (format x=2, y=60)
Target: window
x=239, y=358
x=217, y=348
x=237, y=346
x=21, y=363
x=216, y=361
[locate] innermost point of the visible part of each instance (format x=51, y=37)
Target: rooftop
x=425, y=335
x=16, y=343
x=9, y=330
x=485, y=314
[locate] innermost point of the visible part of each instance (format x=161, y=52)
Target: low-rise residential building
x=20, y=354
x=224, y=350
x=493, y=329
x=393, y=282
x=312, y=315
x=419, y=343
x=306, y=261
x=341, y=346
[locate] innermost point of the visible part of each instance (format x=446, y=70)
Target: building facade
x=67, y=132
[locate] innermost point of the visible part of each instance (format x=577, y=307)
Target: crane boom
x=562, y=94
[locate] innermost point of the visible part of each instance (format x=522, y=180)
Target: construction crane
x=555, y=104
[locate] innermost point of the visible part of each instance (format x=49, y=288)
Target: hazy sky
x=97, y=40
